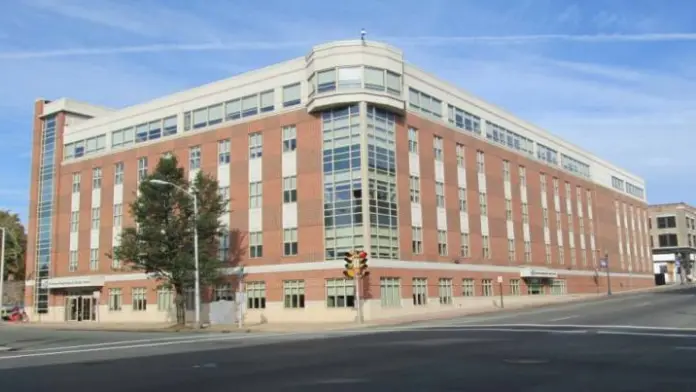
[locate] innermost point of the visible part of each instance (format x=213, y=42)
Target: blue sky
x=615, y=77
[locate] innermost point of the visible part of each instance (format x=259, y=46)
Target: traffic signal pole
x=358, y=305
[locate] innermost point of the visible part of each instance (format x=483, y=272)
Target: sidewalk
x=510, y=305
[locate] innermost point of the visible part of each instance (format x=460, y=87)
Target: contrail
x=423, y=41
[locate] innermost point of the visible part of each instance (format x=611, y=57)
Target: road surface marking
x=652, y=334
x=563, y=318
x=576, y=326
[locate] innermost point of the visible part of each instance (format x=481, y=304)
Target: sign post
x=500, y=286
x=605, y=264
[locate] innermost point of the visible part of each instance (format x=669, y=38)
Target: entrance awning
x=538, y=273
x=75, y=281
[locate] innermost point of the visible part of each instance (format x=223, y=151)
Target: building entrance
x=80, y=307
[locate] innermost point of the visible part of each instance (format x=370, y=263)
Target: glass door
x=87, y=309
x=72, y=311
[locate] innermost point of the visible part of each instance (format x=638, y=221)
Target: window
x=575, y=166
x=115, y=300
x=505, y=137
x=96, y=178
x=468, y=287
x=525, y=213
x=483, y=204
x=165, y=299
x=139, y=295
x=393, y=83
x=547, y=154
x=424, y=103
x=445, y=292
x=292, y=95
x=527, y=252
x=350, y=77
x=667, y=240
x=558, y=287
x=417, y=240
x=437, y=148
x=374, y=79
x=294, y=294
x=420, y=291
x=561, y=255
x=118, y=173
x=224, y=193
x=523, y=176
x=439, y=194
x=463, y=119
x=464, y=246
x=255, y=145
x=223, y=292
x=486, y=247
x=142, y=168
x=666, y=222
x=290, y=189
x=250, y=105
x=115, y=262
x=256, y=295
x=267, y=101
x=480, y=162
x=506, y=170
x=511, y=249
x=169, y=126
x=460, y=155
x=94, y=259
x=514, y=287
x=414, y=185
x=508, y=209
x=74, y=221
x=76, y=177
x=326, y=81
x=122, y=138
x=255, y=194
x=95, y=218
x=487, y=287
x=547, y=253
x=462, y=199
x=256, y=245
x=72, y=261
x=390, y=292
x=195, y=158
x=545, y=217
x=542, y=181
x=223, y=152
x=442, y=242
x=233, y=110
x=290, y=242
x=289, y=138
x=223, y=251
x=340, y=293
x=412, y=140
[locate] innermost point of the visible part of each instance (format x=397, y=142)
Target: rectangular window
x=412, y=140
x=289, y=138
x=290, y=189
x=667, y=240
x=224, y=193
x=224, y=152
x=445, y=292
x=390, y=292
x=233, y=110
x=350, y=77
x=464, y=246
x=527, y=252
x=76, y=178
x=417, y=240
x=118, y=173
x=480, y=162
x=294, y=294
x=483, y=204
x=525, y=213
x=169, y=125
x=94, y=259
x=250, y=105
x=487, y=287
x=666, y=222
x=486, y=247
x=223, y=251
x=96, y=178
x=340, y=293
x=460, y=155
x=511, y=249
x=195, y=158
x=267, y=101
x=118, y=215
x=256, y=295
x=255, y=194
x=506, y=170
x=440, y=194
x=414, y=185
x=72, y=261
x=115, y=262
x=256, y=245
x=508, y=209
x=292, y=95
x=523, y=176
x=442, y=242
x=290, y=242
x=326, y=81
x=95, y=218
x=437, y=148
x=468, y=287
x=165, y=299
x=545, y=217
x=223, y=292
x=139, y=295
x=547, y=253
x=74, y=221
x=374, y=79
x=393, y=83
x=115, y=300
x=561, y=255
x=462, y=199
x=142, y=168
x=514, y=287
x=255, y=145
x=420, y=291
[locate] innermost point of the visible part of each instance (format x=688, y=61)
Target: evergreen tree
x=162, y=241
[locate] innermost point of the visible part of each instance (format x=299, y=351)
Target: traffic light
x=349, y=272
x=363, y=263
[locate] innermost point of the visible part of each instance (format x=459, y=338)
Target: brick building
x=347, y=147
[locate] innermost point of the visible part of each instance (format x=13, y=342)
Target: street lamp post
x=606, y=259
x=2, y=268
x=197, y=277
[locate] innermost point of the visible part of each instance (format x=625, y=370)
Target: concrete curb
x=5, y=348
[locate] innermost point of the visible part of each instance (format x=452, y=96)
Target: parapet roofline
x=76, y=107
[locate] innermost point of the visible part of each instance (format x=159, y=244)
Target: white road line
x=577, y=326
x=68, y=350
x=653, y=334
x=563, y=318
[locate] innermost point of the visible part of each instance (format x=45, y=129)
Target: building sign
x=537, y=273
x=77, y=281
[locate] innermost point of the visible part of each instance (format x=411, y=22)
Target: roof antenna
x=363, y=33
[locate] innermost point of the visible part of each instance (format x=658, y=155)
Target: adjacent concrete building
x=673, y=238
x=347, y=147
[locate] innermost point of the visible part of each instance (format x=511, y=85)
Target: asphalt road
x=643, y=342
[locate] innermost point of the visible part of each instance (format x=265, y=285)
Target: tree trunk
x=180, y=303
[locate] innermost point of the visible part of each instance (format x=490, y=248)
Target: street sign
x=603, y=263
x=500, y=279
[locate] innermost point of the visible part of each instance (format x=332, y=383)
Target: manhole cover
x=526, y=361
